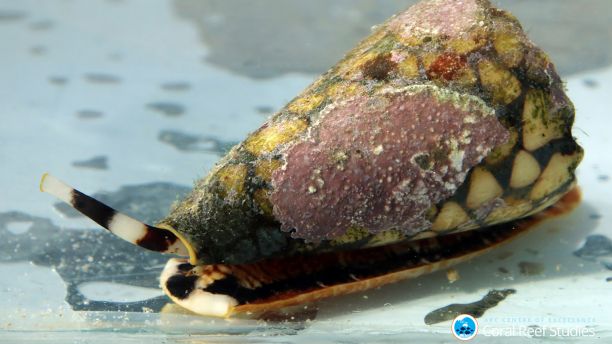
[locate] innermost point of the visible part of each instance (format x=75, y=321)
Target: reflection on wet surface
x=11, y=15
x=596, y=248
x=530, y=268
x=88, y=256
x=195, y=143
x=38, y=50
x=99, y=162
x=476, y=309
x=58, y=80
x=42, y=25
x=176, y=86
x=167, y=108
x=264, y=110
x=89, y=114
x=79, y=256
x=102, y=78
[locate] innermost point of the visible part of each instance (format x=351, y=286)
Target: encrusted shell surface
x=446, y=118
x=381, y=161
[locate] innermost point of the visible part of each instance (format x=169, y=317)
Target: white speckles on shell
x=470, y=119
x=378, y=149
x=456, y=157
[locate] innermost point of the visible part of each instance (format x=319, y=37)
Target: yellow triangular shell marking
x=262, y=199
x=409, y=67
x=483, y=188
x=466, y=78
x=555, y=174
x=503, y=86
x=267, y=139
x=509, y=44
x=265, y=167
x=232, y=178
x=525, y=170
x=428, y=58
x=539, y=126
x=305, y=104
x=467, y=45
x=451, y=216
x=509, y=48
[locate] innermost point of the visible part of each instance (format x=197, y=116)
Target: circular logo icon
x=464, y=327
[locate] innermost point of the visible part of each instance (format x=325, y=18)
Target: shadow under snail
x=443, y=134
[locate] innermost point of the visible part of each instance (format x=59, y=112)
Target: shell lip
x=193, y=257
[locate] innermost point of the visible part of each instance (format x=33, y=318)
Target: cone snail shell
x=445, y=123
x=446, y=118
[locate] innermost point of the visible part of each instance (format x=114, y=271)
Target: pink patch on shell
x=380, y=162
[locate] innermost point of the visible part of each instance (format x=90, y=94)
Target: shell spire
x=123, y=226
